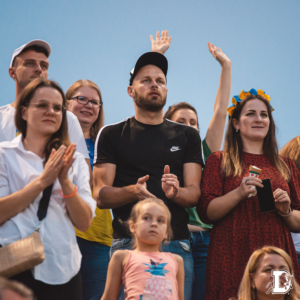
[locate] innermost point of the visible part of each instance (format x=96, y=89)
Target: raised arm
x=162, y=44
x=108, y=196
x=215, y=132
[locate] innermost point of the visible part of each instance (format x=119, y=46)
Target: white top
x=19, y=167
x=8, y=128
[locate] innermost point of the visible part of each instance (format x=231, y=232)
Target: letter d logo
x=287, y=285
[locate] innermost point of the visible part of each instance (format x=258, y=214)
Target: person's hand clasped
x=53, y=166
x=170, y=183
x=161, y=45
x=218, y=55
x=247, y=186
x=282, y=201
x=68, y=160
x=141, y=189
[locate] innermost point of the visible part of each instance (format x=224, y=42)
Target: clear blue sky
x=101, y=40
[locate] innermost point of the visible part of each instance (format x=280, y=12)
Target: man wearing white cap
x=28, y=62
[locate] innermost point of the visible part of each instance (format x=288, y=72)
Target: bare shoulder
x=178, y=259
x=121, y=256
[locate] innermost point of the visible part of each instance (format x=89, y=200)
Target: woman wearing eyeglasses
x=40, y=156
x=85, y=102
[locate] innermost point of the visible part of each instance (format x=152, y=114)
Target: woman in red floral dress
x=239, y=225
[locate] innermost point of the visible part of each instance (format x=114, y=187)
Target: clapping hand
x=161, y=45
x=170, y=183
x=68, y=160
x=141, y=189
x=53, y=166
x=218, y=55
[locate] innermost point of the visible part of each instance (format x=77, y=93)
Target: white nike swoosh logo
x=172, y=149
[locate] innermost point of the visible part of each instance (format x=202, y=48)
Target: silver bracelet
x=285, y=215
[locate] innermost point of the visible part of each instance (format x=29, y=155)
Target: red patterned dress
x=244, y=229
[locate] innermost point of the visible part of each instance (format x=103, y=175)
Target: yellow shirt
x=100, y=230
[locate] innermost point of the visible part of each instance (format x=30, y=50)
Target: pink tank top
x=150, y=276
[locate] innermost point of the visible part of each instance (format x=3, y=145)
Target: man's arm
x=215, y=131
x=108, y=196
x=188, y=195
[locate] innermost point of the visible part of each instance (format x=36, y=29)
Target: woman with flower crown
x=228, y=195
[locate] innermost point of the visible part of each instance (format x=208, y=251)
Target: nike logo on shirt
x=174, y=148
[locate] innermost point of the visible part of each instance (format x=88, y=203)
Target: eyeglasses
x=43, y=107
x=84, y=101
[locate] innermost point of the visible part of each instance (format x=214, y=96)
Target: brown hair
x=233, y=146
x=292, y=151
x=182, y=105
x=98, y=124
x=60, y=137
x=16, y=287
x=135, y=212
x=35, y=48
x=246, y=292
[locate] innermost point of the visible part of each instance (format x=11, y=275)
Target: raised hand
x=161, y=45
x=218, y=55
x=68, y=160
x=282, y=201
x=141, y=189
x=170, y=184
x=53, y=166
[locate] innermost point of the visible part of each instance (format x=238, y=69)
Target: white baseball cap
x=40, y=43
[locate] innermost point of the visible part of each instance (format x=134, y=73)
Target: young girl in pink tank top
x=145, y=272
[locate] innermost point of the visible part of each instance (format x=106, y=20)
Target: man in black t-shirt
x=148, y=156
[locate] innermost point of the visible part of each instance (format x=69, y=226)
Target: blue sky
x=101, y=40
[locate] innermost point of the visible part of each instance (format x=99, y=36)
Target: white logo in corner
x=175, y=148
x=278, y=276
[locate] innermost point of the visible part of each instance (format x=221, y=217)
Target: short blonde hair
x=136, y=210
x=245, y=290
x=16, y=287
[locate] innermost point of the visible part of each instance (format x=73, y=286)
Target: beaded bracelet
x=69, y=196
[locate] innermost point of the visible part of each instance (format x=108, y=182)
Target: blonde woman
x=85, y=101
x=258, y=280
x=292, y=151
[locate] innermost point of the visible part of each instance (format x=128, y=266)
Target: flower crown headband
x=239, y=98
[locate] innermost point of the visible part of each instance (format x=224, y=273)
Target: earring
x=237, y=130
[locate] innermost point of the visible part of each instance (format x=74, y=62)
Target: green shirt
x=194, y=218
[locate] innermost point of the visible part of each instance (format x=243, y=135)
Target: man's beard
x=149, y=105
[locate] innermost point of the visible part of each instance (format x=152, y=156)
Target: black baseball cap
x=150, y=58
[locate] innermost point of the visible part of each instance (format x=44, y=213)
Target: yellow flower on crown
x=243, y=94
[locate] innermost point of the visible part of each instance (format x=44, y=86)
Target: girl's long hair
x=98, y=124
x=292, y=151
x=60, y=137
x=136, y=210
x=233, y=146
x=246, y=292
